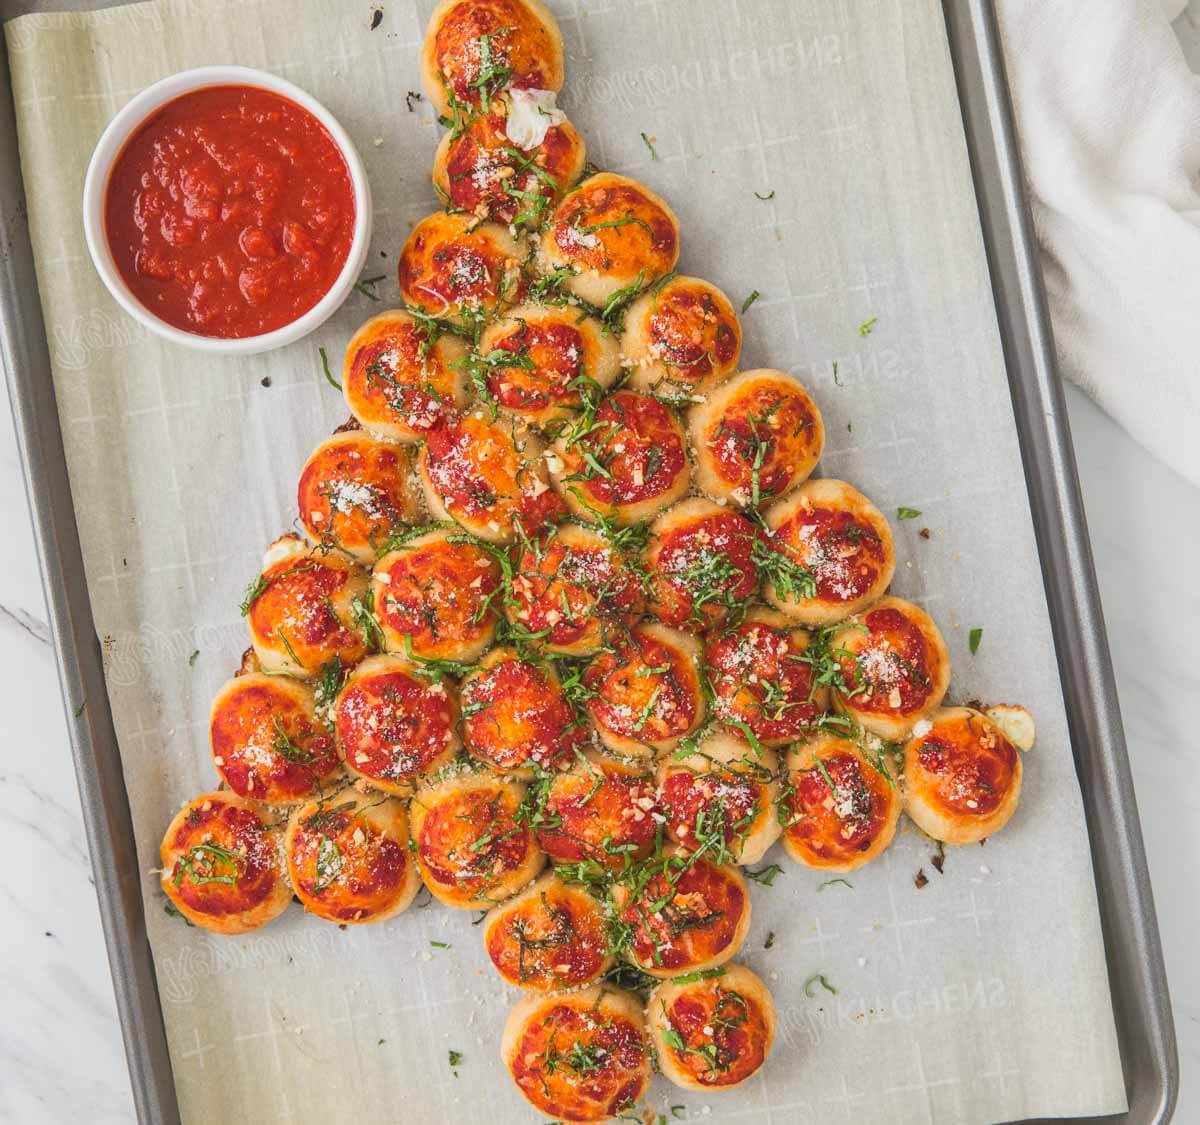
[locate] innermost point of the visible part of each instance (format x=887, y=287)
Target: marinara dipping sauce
x=230, y=211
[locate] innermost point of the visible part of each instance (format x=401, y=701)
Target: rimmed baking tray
x=1138, y=982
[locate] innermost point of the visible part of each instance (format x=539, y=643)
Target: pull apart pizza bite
x=962, y=776
x=712, y=1034
x=511, y=164
x=435, y=597
x=720, y=799
x=401, y=375
x=839, y=810
x=756, y=436
x=473, y=49
x=348, y=858
x=488, y=474
x=681, y=339
x=552, y=935
x=579, y=1056
x=457, y=269
x=601, y=811
x=761, y=675
x=627, y=462
x=645, y=693
x=701, y=557
x=267, y=742
x=894, y=667
x=222, y=866
x=303, y=608
x=393, y=725
x=573, y=592
x=682, y=914
x=472, y=848
x=542, y=362
x=515, y=715
x=614, y=235
x=829, y=553
x=356, y=492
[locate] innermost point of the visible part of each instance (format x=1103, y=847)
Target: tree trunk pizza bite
x=701, y=557
x=574, y=592
x=474, y=49
x=646, y=693
x=348, y=858
x=761, y=675
x=614, y=235
x=304, y=608
x=553, y=935
x=472, y=848
x=962, y=776
x=355, y=493
x=720, y=799
x=401, y=375
x=393, y=725
x=457, y=269
x=579, y=1056
x=829, y=553
x=714, y=1033
x=839, y=811
x=681, y=339
x=435, y=597
x=626, y=463
x=222, y=865
x=488, y=475
x=267, y=742
x=894, y=665
x=541, y=363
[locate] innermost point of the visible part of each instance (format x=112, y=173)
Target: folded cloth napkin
x=1109, y=117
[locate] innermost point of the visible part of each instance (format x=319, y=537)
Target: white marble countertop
x=60, y=1045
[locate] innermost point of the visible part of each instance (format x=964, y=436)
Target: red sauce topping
x=449, y=266
x=844, y=554
x=717, y=801
x=617, y=228
x=646, y=691
x=704, y=569
x=228, y=865
x=890, y=668
x=691, y=334
x=835, y=825
x=724, y=1034
x=556, y=940
x=601, y=814
x=972, y=765
x=230, y=212
x=548, y=358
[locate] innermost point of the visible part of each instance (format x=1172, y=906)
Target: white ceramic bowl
x=109, y=147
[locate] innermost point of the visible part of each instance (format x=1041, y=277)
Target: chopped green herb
x=328, y=374
x=837, y=381
x=754, y=296
x=831, y=882
x=366, y=286
x=699, y=974
x=907, y=513
x=864, y=329
x=254, y=591
x=764, y=198
x=79, y=709
x=973, y=639
x=440, y=944
x=456, y=1058
x=646, y=142
x=813, y=981
x=770, y=939
x=192, y=658
x=764, y=875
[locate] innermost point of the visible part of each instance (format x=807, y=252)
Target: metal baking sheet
x=1134, y=958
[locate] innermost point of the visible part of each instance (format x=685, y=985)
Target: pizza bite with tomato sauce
x=720, y=799
x=515, y=715
x=542, y=362
x=681, y=339
x=393, y=725
x=355, y=492
x=457, y=269
x=488, y=474
x=472, y=849
x=574, y=592
x=834, y=553
x=616, y=236
x=712, y=1034
x=401, y=375
x=894, y=667
x=267, y=742
x=756, y=437
x=348, y=858
x=473, y=49
x=552, y=935
x=627, y=463
x=839, y=810
x=302, y=608
x=701, y=557
x=962, y=776
x=645, y=693
x=222, y=866
x=579, y=1056
x=761, y=675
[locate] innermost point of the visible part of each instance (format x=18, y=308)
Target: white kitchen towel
x=1109, y=116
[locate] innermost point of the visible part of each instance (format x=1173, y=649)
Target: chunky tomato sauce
x=599, y=813
x=970, y=767
x=230, y=212
x=724, y=1034
x=889, y=666
x=226, y=862
x=835, y=825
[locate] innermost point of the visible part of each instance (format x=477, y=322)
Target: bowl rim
x=110, y=145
